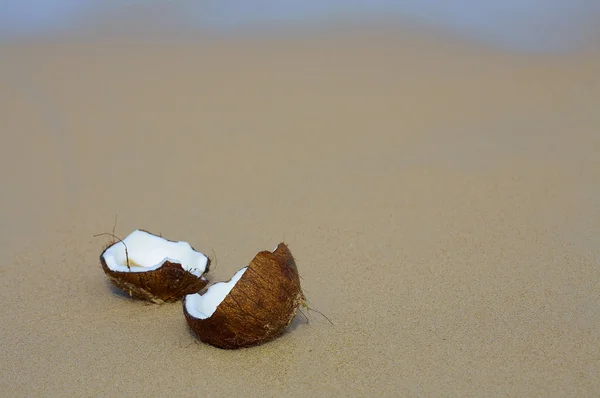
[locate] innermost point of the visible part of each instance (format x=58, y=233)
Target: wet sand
x=442, y=201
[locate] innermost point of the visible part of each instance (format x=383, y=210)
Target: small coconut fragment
x=149, y=267
x=254, y=307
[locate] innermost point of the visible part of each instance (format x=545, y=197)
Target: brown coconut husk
x=259, y=307
x=169, y=283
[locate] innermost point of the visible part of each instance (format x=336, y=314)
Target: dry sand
x=442, y=201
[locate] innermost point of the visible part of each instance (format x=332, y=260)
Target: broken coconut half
x=149, y=267
x=254, y=307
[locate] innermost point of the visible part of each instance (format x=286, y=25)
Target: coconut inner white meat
x=203, y=306
x=148, y=252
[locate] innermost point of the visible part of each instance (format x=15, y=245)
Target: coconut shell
x=166, y=284
x=259, y=307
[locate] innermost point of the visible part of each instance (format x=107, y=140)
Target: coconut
x=254, y=307
x=149, y=267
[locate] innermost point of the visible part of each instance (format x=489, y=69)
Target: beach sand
x=442, y=201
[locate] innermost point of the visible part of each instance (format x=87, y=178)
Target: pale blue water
x=536, y=25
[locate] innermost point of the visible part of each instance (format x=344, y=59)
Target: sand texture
x=442, y=201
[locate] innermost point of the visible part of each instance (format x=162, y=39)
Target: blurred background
x=524, y=25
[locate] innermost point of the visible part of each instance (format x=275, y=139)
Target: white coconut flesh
x=203, y=306
x=147, y=252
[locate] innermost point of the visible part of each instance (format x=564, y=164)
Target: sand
x=442, y=201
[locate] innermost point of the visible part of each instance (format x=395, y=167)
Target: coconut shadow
x=298, y=320
x=119, y=293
